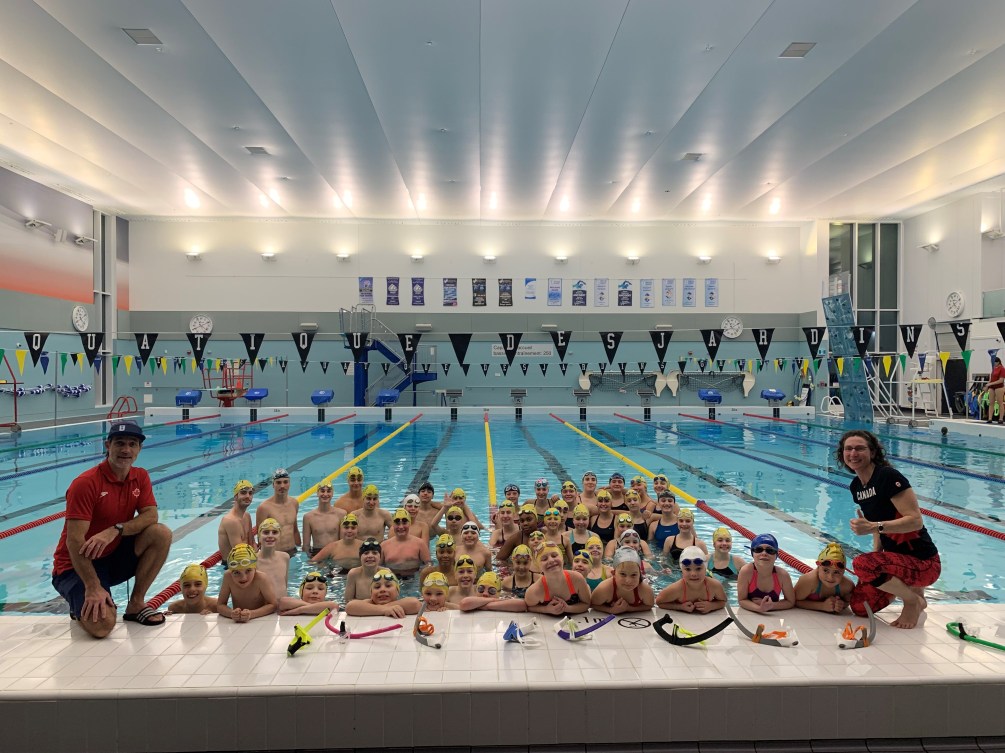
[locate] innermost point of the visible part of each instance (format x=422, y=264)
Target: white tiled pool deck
x=205, y=683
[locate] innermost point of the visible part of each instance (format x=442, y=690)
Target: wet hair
x=875, y=448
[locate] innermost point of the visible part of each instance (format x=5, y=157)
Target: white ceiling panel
x=515, y=110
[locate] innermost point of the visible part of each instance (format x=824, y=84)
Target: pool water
x=768, y=476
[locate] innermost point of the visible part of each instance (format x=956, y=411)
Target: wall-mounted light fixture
x=664, y=326
x=933, y=247
x=489, y=258
x=549, y=327
x=632, y=259
x=773, y=258
x=561, y=259
x=35, y=224
x=704, y=259
x=342, y=256
x=269, y=255
x=83, y=240
x=417, y=257
x=194, y=255
x=423, y=327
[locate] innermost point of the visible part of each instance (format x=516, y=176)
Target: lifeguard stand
x=230, y=381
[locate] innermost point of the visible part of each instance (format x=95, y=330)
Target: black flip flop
x=143, y=617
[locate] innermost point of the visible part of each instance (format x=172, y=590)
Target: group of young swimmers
x=557, y=554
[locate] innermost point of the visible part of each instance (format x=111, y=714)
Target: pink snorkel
x=342, y=632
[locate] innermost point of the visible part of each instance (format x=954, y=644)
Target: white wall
x=307, y=276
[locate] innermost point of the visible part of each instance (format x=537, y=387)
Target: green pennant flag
x=760, y=365
x=816, y=364
x=903, y=362
x=115, y=364
x=783, y=362
x=62, y=362
x=856, y=363
x=966, y=357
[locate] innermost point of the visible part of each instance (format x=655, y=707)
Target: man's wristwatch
x=119, y=527
x=879, y=527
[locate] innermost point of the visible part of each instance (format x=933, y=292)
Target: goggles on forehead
x=315, y=578
x=470, y=526
x=349, y=524
x=464, y=562
x=243, y=562
x=401, y=519
x=662, y=478
x=385, y=576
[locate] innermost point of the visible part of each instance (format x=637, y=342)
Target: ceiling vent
x=143, y=37
x=257, y=151
x=797, y=49
x=692, y=156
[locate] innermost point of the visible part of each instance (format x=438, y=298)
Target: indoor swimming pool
x=766, y=475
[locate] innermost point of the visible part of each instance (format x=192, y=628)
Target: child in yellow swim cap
x=313, y=597
x=826, y=589
x=193, y=582
x=385, y=599
x=434, y=592
x=251, y=591
x=489, y=595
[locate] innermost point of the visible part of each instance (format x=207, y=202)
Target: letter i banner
x=863, y=336
x=252, y=342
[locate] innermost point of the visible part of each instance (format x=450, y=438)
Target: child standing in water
x=825, y=589
x=251, y=590
x=625, y=591
x=193, y=600
x=271, y=561
x=723, y=562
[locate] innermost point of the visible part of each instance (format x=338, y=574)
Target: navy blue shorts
x=116, y=568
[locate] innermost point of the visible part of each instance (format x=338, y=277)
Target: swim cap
x=661, y=477
x=624, y=518
x=242, y=555
x=834, y=552
x=370, y=545
x=506, y=505
x=280, y=473
x=626, y=554
x=454, y=510
x=425, y=485
x=667, y=494
x=350, y=517
x=541, y=482
x=243, y=484
x=470, y=526
x=629, y=533
x=193, y=572
x=385, y=574
x=550, y=545
x=721, y=532
x=603, y=494
x=617, y=475
x=537, y=535
x=522, y=550
x=631, y=494
x=464, y=561
x=370, y=490
x=436, y=580
x=585, y=556
x=580, y=511
x=589, y=474
x=401, y=514
x=410, y=498
x=685, y=514
x=693, y=553
x=568, y=485
x=355, y=472
x=561, y=505
x=528, y=509
x=552, y=512
x=270, y=524
x=311, y=577
x=594, y=540
x=325, y=485
x=458, y=492
x=511, y=488
x=444, y=540
x=764, y=538
x=491, y=580
x=638, y=480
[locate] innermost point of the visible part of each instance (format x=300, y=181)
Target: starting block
x=774, y=398
x=255, y=396
x=711, y=398
x=321, y=398
x=187, y=399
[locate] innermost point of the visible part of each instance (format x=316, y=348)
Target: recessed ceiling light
x=797, y=49
x=263, y=200
x=636, y=206
x=776, y=204
x=347, y=198
x=421, y=202
x=493, y=201
x=692, y=156
x=649, y=133
x=274, y=195
x=706, y=204
x=192, y=199
x=563, y=205
x=443, y=130
x=143, y=37
x=257, y=151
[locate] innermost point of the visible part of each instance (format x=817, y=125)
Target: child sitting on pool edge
x=251, y=590
x=193, y=600
x=825, y=589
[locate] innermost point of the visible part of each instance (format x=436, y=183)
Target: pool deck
x=205, y=683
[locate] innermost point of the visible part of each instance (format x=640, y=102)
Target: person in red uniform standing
x=111, y=534
x=996, y=392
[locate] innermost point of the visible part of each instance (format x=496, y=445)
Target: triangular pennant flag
x=42, y=359
x=804, y=367
x=145, y=344
x=681, y=364
x=464, y=368
x=35, y=342
x=544, y=369
x=661, y=341
x=701, y=364
x=425, y=368
x=304, y=340
x=921, y=361
x=505, y=368
x=720, y=364
x=446, y=368
x=21, y=355
x=357, y=343
x=663, y=366
x=583, y=367
x=164, y=365
x=814, y=336
x=524, y=367
x=564, y=367
x=324, y=367
x=561, y=340
x=642, y=366
x=961, y=330
x=386, y=367
x=460, y=343
x=62, y=362
x=91, y=342
x=98, y=360
x=910, y=334
x=966, y=357
x=198, y=341
x=992, y=353
x=712, y=339
x=944, y=357
x=485, y=369
x=603, y=368
x=128, y=360
x=902, y=357
x=252, y=342
x=781, y=362
x=510, y=343
x=856, y=363
x=887, y=362
x=261, y=363
x=74, y=357
x=840, y=365
x=345, y=368
x=863, y=336
x=1001, y=329
x=366, y=366
x=621, y=368
x=762, y=338
x=611, y=341
x=409, y=344
x=303, y=366
x=282, y=364
x=80, y=361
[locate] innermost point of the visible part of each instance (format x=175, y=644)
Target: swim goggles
x=315, y=578
x=464, y=562
x=490, y=590
x=400, y=518
x=552, y=512
x=445, y=545
x=511, y=488
x=540, y=484
x=386, y=576
x=455, y=517
x=661, y=477
x=831, y=563
x=568, y=485
x=349, y=524
x=696, y=561
x=325, y=485
x=764, y=550
x=280, y=473
x=470, y=526
x=243, y=562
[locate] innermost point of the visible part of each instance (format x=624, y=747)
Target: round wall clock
x=200, y=324
x=80, y=318
x=732, y=327
x=955, y=303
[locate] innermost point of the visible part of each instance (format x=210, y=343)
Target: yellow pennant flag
x=840, y=365
x=20, y=354
x=944, y=357
x=195, y=365
x=806, y=366
x=80, y=361
x=129, y=364
x=887, y=360
x=164, y=365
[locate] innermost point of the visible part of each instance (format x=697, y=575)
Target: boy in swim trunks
x=385, y=599
x=271, y=562
x=193, y=599
x=357, y=582
x=321, y=526
x=250, y=590
x=404, y=554
x=313, y=597
x=372, y=520
x=235, y=525
x=352, y=500
x=280, y=506
x=465, y=573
